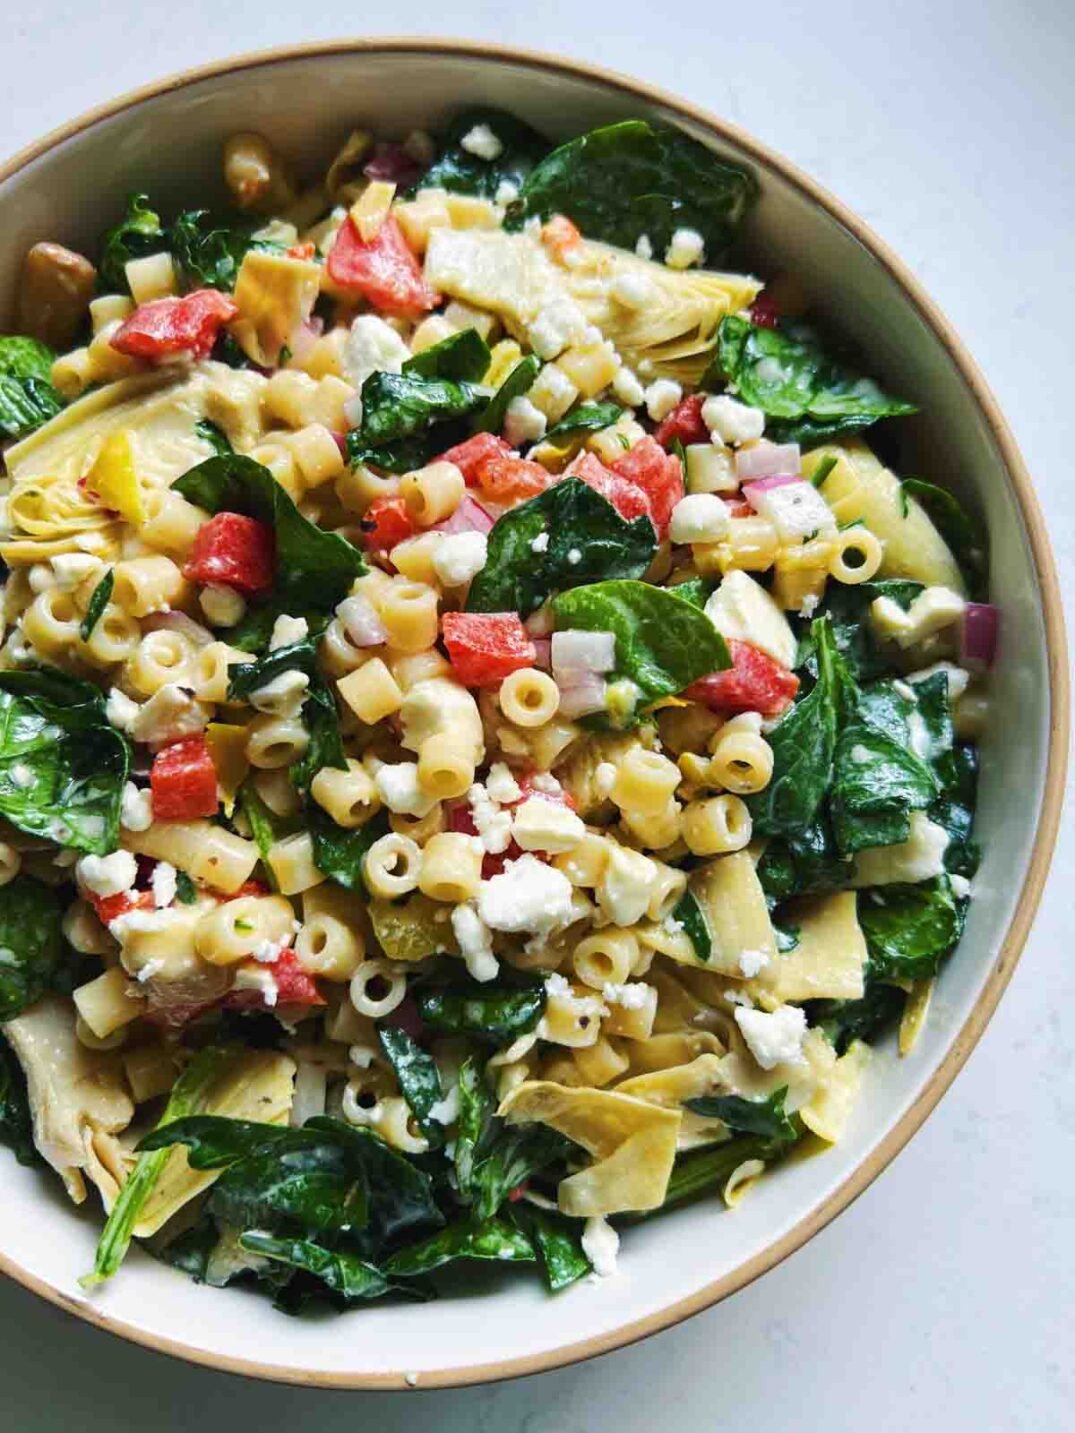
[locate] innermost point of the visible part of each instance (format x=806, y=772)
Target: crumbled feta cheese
x=632, y=290
x=528, y=896
x=734, y=997
x=492, y=824
x=170, y=714
x=107, y=875
x=796, y=510
x=699, y=517
x=459, y=556
x=644, y=248
x=72, y=568
x=730, y=421
x=604, y=778
x=482, y=143
x=475, y=942
x=540, y=825
x=774, y=1038
x=574, y=556
x=627, y=886
x=21, y=776
x=626, y=387
x=136, y=809
x=150, y=969
x=524, y=423
x=545, y=781
x=222, y=606
x=809, y=604
x=661, y=397
x=632, y=995
x=919, y=858
x=283, y=696
x=958, y=677
x=446, y=1111
x=141, y=922
x=600, y=1244
x=540, y=543
x=121, y=711
x=930, y=612
x=286, y=631
x=501, y=785
x=40, y=577
x=372, y=346
x=163, y=883
x=752, y=962
x=960, y=887
x=506, y=193
x=268, y=952
x=558, y=324
x=687, y=248
x=397, y=786
x=553, y=392
x=256, y=977
x=575, y=649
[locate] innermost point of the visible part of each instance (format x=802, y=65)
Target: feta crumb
x=411, y=1380
x=446, y=1111
x=283, y=696
x=644, y=248
x=475, y=942
x=492, y=824
x=774, y=1038
x=600, y=1244
x=268, y=952
x=558, y=324
x=528, y=896
x=501, y=785
x=604, y=778
x=524, y=422
x=730, y=421
x=545, y=781
x=506, y=193
x=540, y=825
x=699, y=517
x=40, y=577
x=222, y=606
x=958, y=677
x=286, y=631
x=687, y=248
x=107, y=875
x=960, y=886
x=540, y=543
x=72, y=568
x=372, y=346
x=661, y=397
x=163, y=883
x=397, y=786
x=141, y=922
x=574, y=556
x=121, y=712
x=21, y=776
x=632, y=290
x=150, y=969
x=256, y=977
x=626, y=387
x=752, y=962
x=482, y=143
x=809, y=604
x=629, y=996
x=170, y=714
x=459, y=557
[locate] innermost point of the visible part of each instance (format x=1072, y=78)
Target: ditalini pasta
x=481, y=729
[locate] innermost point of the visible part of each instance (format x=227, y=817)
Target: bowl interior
x=169, y=146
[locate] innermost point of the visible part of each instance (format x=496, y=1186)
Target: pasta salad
x=486, y=746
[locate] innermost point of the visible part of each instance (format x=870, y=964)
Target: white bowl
x=166, y=140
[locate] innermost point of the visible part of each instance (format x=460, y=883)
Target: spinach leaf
x=62, y=767
x=662, y=643
x=496, y=1010
x=27, y=397
x=320, y=716
x=186, y=892
x=463, y=357
x=314, y=568
x=473, y=1125
x=688, y=912
x=909, y=929
x=102, y=595
x=137, y=234
x=630, y=179
x=847, y=609
x=806, y=395
x=519, y=381
x=803, y=743
x=339, y=852
x=490, y=1239
x=967, y=538
x=210, y=253
x=802, y=862
x=245, y=678
x=253, y=632
x=558, y=1242
x=215, y=436
x=843, y=1021
x=461, y=172
x=957, y=772
x=16, y=1122
x=575, y=520
x=517, y=1152
x=31, y=944
x=405, y=454
x=25, y=358
x=704, y=1169
x=188, y=1095
x=766, y=1117
x=399, y=405
x=418, y=1077
x=345, y=1274
x=585, y=418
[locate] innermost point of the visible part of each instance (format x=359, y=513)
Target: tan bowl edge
x=1056, y=767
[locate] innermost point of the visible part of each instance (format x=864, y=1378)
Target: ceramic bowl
x=166, y=139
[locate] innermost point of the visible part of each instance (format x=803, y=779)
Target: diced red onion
x=360, y=621
x=585, y=693
x=393, y=163
x=469, y=516
x=181, y=623
x=579, y=651
x=304, y=335
x=768, y=460
x=341, y=443
x=752, y=491
x=542, y=653
x=978, y=645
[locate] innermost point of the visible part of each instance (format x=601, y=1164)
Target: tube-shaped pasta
x=432, y=493
x=445, y=766
x=408, y=612
x=604, y=957
x=209, y=672
x=51, y=622
x=326, y=946
x=278, y=792
x=317, y=454
x=234, y=930
x=410, y=668
x=114, y=638
x=414, y=557
x=151, y=277
x=143, y=585
x=658, y=830
x=208, y=853
x=644, y=782
x=85, y=1036
x=349, y=797
x=440, y=704
x=171, y=523
x=418, y=828
x=274, y=742
x=666, y=889
x=717, y=825
x=160, y=657
x=395, y=1124
x=857, y=555
x=634, y=1021
x=371, y=692
x=292, y=863
x=529, y=697
x=742, y=762
x=451, y=868
x=585, y=865
x=358, y=487
x=109, y=308
x=339, y=653
x=392, y=865
x=256, y=175
x=109, y=1002
x=377, y=987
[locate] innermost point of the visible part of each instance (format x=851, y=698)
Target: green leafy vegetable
x=399, y=405
x=418, y=1077
x=102, y=595
x=806, y=395
x=688, y=912
x=209, y=253
x=320, y=716
x=404, y=455
x=843, y=1021
x=314, y=568
x=463, y=357
x=558, y=1242
x=575, y=520
x=495, y=1010
x=702, y=1170
x=27, y=397
x=633, y=179
x=957, y=772
x=345, y=1274
x=847, y=609
x=137, y=234
x=585, y=418
x=662, y=643
x=31, y=945
x=805, y=862
x=62, y=767
x=515, y=1154
x=519, y=381
x=459, y=171
x=966, y=537
x=909, y=929
x=766, y=1117
x=473, y=1124
x=186, y=892
x=339, y=852
x=16, y=1122
x=491, y=1239
x=696, y=590
x=215, y=436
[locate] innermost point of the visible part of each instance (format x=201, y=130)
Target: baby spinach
x=806, y=395
x=843, y=1021
x=62, y=767
x=137, y=234
x=27, y=397
x=102, y=595
x=662, y=643
x=804, y=861
x=319, y=712
x=490, y=1239
x=624, y=181
x=186, y=892
x=473, y=1124
x=766, y=1116
x=400, y=405
x=209, y=252
x=31, y=945
x=458, y=170
x=585, y=418
x=418, y=1078
x=211, y=433
x=957, y=772
x=463, y=357
x=314, y=568
x=16, y=1121
x=496, y=1010
x=339, y=852
x=847, y=609
x=515, y=1154
x=265, y=826
x=519, y=381
x=702, y=1170
x=558, y=1244
x=342, y=1273
x=909, y=929
x=405, y=454
x=573, y=521
x=688, y=912
x=696, y=590
x=966, y=537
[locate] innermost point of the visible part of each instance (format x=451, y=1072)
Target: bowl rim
x=1056, y=754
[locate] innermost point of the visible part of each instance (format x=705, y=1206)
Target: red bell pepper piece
x=470, y=457
x=385, y=522
x=234, y=551
x=755, y=682
x=294, y=986
x=183, y=781
x=382, y=270
x=511, y=480
x=110, y=908
x=486, y=647
x=684, y=422
x=626, y=497
x=658, y=474
x=164, y=327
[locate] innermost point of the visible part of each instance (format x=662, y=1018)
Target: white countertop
x=942, y=1298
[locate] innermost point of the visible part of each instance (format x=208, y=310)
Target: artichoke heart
x=276, y=295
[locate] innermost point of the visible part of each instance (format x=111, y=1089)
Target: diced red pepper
x=164, y=327
x=302, y=251
x=764, y=312
x=684, y=422
x=486, y=647
x=110, y=908
x=250, y=888
x=560, y=236
x=738, y=507
x=755, y=682
x=294, y=986
x=471, y=456
x=382, y=270
x=233, y=550
x=658, y=474
x=626, y=497
x=505, y=480
x=460, y=819
x=514, y=1195
x=385, y=522
x=183, y=781
x=562, y=797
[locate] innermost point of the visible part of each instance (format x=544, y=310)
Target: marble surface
x=942, y=1297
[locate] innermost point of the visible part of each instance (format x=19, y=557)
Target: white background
x=942, y=1299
